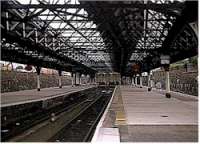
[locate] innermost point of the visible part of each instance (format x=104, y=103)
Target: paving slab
x=159, y=133
x=153, y=108
x=108, y=135
x=151, y=117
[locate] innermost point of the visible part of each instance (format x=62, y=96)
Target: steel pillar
x=77, y=78
x=136, y=80
x=60, y=78
x=141, y=81
x=80, y=78
x=133, y=81
x=38, y=77
x=72, y=78
x=121, y=80
x=90, y=80
x=167, y=82
x=104, y=77
x=149, y=82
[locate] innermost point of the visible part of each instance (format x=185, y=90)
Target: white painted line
x=110, y=135
x=97, y=131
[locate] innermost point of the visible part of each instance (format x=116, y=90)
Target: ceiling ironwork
x=91, y=36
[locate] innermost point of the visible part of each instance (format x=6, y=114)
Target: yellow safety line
x=120, y=114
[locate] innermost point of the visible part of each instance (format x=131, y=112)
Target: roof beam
x=107, y=5
x=190, y=13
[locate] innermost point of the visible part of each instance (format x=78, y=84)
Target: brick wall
x=15, y=81
x=180, y=80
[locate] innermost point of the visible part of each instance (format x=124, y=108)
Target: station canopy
x=98, y=36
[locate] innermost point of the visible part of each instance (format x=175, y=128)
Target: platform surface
x=153, y=108
x=20, y=97
x=110, y=135
x=151, y=117
x=158, y=133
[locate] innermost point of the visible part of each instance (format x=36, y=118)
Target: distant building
x=48, y=71
x=7, y=67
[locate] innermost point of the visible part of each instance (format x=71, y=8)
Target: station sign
x=165, y=59
x=144, y=74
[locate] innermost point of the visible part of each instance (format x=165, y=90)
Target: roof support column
x=133, y=80
x=130, y=80
x=165, y=61
x=141, y=78
x=59, y=79
x=76, y=78
x=72, y=78
x=121, y=80
x=95, y=78
x=149, y=82
x=113, y=78
x=38, y=77
x=104, y=78
x=126, y=80
x=89, y=79
x=80, y=78
x=167, y=82
x=136, y=80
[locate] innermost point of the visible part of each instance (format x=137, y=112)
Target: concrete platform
x=152, y=108
x=110, y=135
x=27, y=96
x=158, y=133
x=149, y=117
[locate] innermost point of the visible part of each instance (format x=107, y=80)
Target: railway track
x=49, y=125
x=34, y=115
x=81, y=128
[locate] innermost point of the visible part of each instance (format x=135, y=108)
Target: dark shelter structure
x=92, y=36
